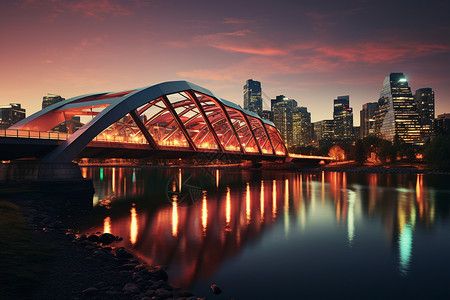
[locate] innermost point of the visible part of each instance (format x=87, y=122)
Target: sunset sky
x=311, y=51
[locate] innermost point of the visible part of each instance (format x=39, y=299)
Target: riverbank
x=394, y=168
x=79, y=266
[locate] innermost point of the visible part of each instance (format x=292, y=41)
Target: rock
x=161, y=284
x=183, y=293
x=106, y=238
x=111, y=294
x=215, y=289
x=149, y=293
x=163, y=293
x=93, y=238
x=122, y=253
x=159, y=273
x=131, y=288
x=92, y=291
x=127, y=267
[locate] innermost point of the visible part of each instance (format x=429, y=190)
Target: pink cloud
x=99, y=9
x=381, y=52
x=236, y=21
x=309, y=58
x=241, y=41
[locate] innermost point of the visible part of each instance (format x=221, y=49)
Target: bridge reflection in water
x=195, y=228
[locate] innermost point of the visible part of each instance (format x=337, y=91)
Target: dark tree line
x=436, y=152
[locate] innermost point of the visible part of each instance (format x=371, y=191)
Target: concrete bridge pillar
x=56, y=176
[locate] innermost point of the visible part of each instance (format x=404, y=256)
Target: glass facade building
x=11, y=114
x=253, y=96
x=324, y=131
x=397, y=112
x=282, y=118
x=301, y=126
x=424, y=99
x=367, y=119
x=343, y=118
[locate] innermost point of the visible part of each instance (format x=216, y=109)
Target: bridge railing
x=55, y=135
x=31, y=134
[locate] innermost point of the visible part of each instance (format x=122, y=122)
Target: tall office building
x=267, y=115
x=11, y=114
x=282, y=109
x=442, y=124
x=424, y=99
x=324, y=131
x=253, y=96
x=396, y=114
x=69, y=126
x=367, y=119
x=51, y=99
x=343, y=118
x=301, y=127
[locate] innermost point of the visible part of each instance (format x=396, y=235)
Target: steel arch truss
x=176, y=116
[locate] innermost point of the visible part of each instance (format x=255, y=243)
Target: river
x=280, y=234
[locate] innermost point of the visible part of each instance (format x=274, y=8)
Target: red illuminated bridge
x=170, y=119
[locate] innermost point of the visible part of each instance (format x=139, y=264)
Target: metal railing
x=31, y=134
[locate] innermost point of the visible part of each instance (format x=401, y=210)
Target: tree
x=385, y=151
x=437, y=152
x=360, y=152
x=336, y=152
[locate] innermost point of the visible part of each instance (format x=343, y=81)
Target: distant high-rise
x=343, y=118
x=11, y=114
x=282, y=109
x=51, y=99
x=367, y=119
x=267, y=115
x=324, y=131
x=69, y=125
x=424, y=99
x=253, y=96
x=442, y=125
x=301, y=127
x=396, y=114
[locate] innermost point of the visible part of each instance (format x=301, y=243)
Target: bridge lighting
x=167, y=126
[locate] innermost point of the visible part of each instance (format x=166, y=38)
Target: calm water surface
x=281, y=235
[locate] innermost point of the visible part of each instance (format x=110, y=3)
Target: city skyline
x=311, y=52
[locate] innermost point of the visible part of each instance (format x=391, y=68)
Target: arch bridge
x=171, y=119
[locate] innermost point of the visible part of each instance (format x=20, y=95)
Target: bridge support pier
x=53, y=176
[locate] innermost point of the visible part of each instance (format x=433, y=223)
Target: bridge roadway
x=27, y=144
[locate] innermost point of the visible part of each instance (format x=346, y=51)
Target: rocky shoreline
x=90, y=266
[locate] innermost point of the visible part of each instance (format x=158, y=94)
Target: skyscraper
x=424, y=99
x=343, y=118
x=324, y=131
x=301, y=127
x=282, y=109
x=51, y=99
x=69, y=125
x=367, y=119
x=442, y=124
x=11, y=114
x=252, y=96
x=396, y=114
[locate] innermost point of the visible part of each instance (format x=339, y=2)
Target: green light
x=402, y=80
x=101, y=174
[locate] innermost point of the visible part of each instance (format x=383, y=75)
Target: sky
x=310, y=51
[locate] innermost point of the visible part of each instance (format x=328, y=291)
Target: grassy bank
x=23, y=260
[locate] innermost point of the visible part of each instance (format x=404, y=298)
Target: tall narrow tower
x=397, y=112
x=252, y=96
x=343, y=118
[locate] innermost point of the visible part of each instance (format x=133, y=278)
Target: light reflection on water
x=222, y=227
